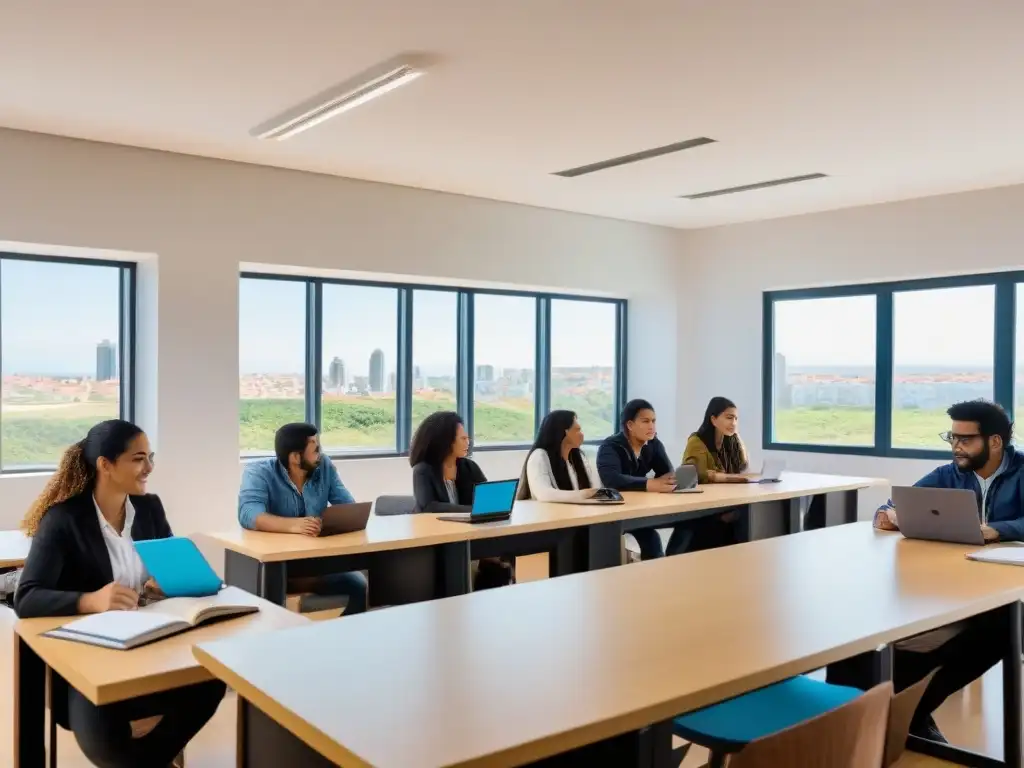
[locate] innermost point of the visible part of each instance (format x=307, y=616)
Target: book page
x=121, y=626
x=191, y=609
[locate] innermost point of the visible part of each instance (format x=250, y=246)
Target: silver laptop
x=771, y=472
x=938, y=514
x=686, y=479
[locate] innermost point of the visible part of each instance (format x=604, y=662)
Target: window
x=943, y=352
x=583, y=363
x=872, y=369
x=367, y=362
x=435, y=353
x=360, y=367
x=65, y=340
x=504, y=356
x=271, y=360
x=824, y=371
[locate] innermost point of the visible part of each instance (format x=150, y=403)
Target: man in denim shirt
x=289, y=493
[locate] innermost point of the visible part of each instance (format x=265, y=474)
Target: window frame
x=126, y=335
x=1004, y=335
x=465, y=376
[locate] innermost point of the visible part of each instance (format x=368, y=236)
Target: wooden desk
x=577, y=537
x=103, y=675
x=510, y=676
x=14, y=547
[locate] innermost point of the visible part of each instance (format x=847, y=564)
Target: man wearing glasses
x=983, y=462
x=986, y=463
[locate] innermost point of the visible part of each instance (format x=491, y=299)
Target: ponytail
x=73, y=476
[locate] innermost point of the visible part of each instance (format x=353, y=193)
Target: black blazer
x=68, y=556
x=430, y=492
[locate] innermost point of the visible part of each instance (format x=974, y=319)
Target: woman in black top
x=83, y=560
x=444, y=480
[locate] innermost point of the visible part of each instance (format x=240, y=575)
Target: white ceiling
x=892, y=98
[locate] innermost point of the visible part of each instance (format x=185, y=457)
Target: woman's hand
x=151, y=591
x=589, y=493
x=113, y=597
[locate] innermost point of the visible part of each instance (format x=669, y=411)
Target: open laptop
x=686, y=479
x=938, y=514
x=771, y=472
x=492, y=502
x=345, y=518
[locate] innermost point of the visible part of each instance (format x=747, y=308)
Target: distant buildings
x=377, y=371
x=391, y=382
x=485, y=373
x=336, y=374
x=106, y=361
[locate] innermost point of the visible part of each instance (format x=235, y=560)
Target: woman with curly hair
x=83, y=560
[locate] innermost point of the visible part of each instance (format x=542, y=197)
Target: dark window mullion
x=465, y=376
x=885, y=372
x=403, y=376
x=126, y=343
x=542, y=365
x=314, y=353
x=1005, y=344
x=621, y=381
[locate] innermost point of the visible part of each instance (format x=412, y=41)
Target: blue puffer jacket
x=1005, y=499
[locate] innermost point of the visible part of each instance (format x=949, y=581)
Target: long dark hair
x=731, y=454
x=434, y=438
x=76, y=472
x=549, y=439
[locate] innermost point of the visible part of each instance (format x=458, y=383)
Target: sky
x=359, y=319
x=946, y=327
x=53, y=314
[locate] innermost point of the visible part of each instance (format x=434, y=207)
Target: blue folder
x=178, y=567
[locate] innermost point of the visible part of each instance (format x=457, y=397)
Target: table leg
x=266, y=580
x=569, y=554
x=454, y=563
x=263, y=742
x=649, y=747
x=1013, y=751
x=29, y=707
x=602, y=545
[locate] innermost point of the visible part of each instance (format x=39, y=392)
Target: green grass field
x=38, y=436
x=911, y=428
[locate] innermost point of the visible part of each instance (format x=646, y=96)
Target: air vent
x=758, y=185
x=636, y=157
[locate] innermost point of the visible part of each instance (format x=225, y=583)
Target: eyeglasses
x=954, y=439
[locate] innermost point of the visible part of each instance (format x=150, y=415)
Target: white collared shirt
x=125, y=562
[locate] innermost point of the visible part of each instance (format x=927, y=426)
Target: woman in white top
x=556, y=469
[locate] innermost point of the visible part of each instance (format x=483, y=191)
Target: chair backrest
x=851, y=736
x=901, y=712
x=394, y=505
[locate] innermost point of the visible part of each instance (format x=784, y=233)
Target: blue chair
x=728, y=727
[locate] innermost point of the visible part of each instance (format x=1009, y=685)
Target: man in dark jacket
x=986, y=463
x=624, y=462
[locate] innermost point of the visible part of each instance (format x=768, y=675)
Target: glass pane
x=583, y=363
x=942, y=354
x=360, y=357
x=823, y=374
x=60, y=330
x=504, y=351
x=271, y=360
x=435, y=352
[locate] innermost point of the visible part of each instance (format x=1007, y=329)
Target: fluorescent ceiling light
x=350, y=94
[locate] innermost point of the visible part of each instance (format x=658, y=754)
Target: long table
x=513, y=676
x=105, y=676
x=436, y=554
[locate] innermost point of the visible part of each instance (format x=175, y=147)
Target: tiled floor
x=972, y=718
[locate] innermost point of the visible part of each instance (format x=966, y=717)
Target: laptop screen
x=493, y=498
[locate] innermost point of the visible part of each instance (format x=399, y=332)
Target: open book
x=125, y=630
x=1008, y=554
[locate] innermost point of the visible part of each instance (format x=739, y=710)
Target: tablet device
x=492, y=502
x=178, y=567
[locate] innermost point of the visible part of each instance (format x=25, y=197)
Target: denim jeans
x=352, y=585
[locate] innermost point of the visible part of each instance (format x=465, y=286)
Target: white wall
x=728, y=268
x=192, y=221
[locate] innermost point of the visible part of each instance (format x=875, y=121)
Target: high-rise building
x=106, y=361
x=391, y=382
x=485, y=373
x=336, y=374
x=376, y=371
x=783, y=389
